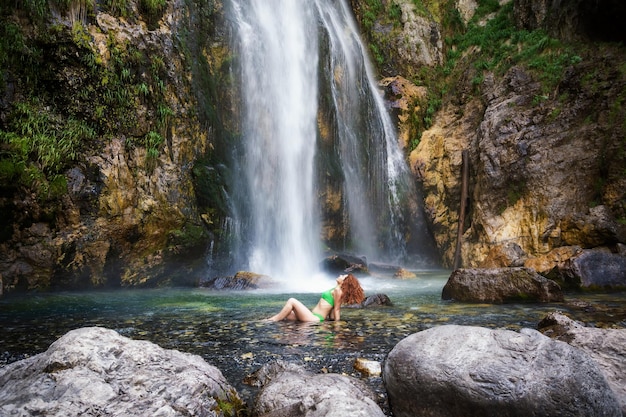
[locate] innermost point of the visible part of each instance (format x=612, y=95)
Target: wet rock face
x=96, y=371
x=405, y=100
x=129, y=212
x=534, y=166
x=407, y=38
x=500, y=285
x=594, y=228
x=471, y=371
x=420, y=42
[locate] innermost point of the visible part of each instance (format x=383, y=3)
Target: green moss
x=486, y=7
x=372, y=12
x=37, y=9
x=376, y=54
x=188, y=236
x=422, y=9
x=152, y=11
x=118, y=8
x=395, y=14
x=231, y=405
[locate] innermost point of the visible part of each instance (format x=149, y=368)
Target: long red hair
x=352, y=291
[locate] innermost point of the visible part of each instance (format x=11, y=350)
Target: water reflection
x=226, y=328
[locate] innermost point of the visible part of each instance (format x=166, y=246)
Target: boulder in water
x=343, y=263
x=595, y=269
x=500, y=285
x=290, y=390
x=95, y=371
x=463, y=371
x=242, y=280
x=376, y=300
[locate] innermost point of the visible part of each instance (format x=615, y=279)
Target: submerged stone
x=367, y=367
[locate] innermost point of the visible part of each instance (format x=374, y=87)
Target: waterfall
x=376, y=175
x=279, y=78
x=292, y=55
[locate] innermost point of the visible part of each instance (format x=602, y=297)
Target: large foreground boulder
x=605, y=346
x=500, y=285
x=462, y=371
x=290, y=391
x=96, y=372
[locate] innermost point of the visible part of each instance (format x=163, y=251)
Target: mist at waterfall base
x=314, y=126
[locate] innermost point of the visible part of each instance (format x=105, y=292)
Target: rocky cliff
x=533, y=91
x=100, y=132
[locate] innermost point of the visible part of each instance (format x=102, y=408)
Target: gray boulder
x=290, y=391
x=96, y=372
x=595, y=269
x=376, y=300
x=463, y=371
x=500, y=285
x=605, y=346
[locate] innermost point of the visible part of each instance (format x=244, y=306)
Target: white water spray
x=286, y=48
x=279, y=75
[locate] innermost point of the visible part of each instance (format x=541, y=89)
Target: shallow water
x=225, y=328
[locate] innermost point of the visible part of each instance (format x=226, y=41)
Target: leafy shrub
x=37, y=148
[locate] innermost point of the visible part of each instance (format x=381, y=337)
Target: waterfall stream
x=306, y=82
x=278, y=69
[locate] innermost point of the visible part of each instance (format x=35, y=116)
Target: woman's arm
x=335, y=314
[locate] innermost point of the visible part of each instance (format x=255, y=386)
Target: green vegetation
x=190, y=235
x=490, y=42
x=497, y=45
x=38, y=147
x=52, y=123
x=373, y=10
x=153, y=7
x=152, y=10
x=119, y=8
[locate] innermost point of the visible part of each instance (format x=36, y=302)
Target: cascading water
x=376, y=176
x=279, y=78
x=292, y=56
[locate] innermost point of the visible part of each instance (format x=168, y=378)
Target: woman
x=347, y=291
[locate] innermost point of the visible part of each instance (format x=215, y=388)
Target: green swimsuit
x=328, y=296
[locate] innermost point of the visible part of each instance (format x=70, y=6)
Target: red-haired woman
x=347, y=291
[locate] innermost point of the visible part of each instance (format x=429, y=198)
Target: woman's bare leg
x=294, y=310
